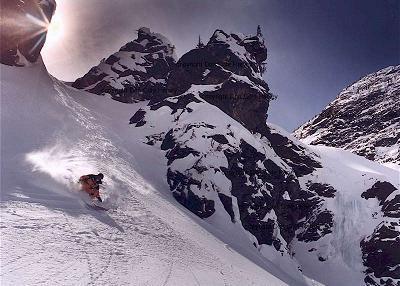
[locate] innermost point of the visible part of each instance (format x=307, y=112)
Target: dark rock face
x=381, y=255
x=181, y=190
x=364, y=118
x=391, y=208
x=388, y=197
x=177, y=106
x=380, y=190
x=234, y=63
x=179, y=152
x=21, y=37
x=323, y=190
x=221, y=139
x=318, y=225
x=227, y=203
x=138, y=71
x=138, y=118
x=242, y=103
x=255, y=202
x=253, y=208
x=295, y=155
x=381, y=250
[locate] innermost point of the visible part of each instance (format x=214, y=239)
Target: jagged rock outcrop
x=211, y=164
x=23, y=30
x=137, y=71
x=234, y=162
x=234, y=63
x=381, y=255
x=381, y=249
x=364, y=118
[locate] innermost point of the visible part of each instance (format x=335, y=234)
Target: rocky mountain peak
x=23, y=30
x=228, y=73
x=137, y=71
x=364, y=118
x=149, y=42
x=233, y=64
x=253, y=44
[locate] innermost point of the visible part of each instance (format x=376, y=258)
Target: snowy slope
x=51, y=135
x=364, y=118
x=355, y=218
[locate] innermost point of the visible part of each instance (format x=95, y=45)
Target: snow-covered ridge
x=137, y=71
x=364, y=118
x=234, y=63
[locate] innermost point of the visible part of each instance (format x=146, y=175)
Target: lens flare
x=40, y=24
x=40, y=27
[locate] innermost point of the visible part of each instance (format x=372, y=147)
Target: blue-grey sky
x=316, y=48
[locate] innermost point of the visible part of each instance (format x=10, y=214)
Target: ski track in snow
x=63, y=250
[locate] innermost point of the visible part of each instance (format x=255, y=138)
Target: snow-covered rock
x=236, y=181
x=364, y=118
x=23, y=30
x=137, y=71
x=297, y=205
x=233, y=64
x=381, y=251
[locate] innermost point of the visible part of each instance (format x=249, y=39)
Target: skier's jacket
x=90, y=184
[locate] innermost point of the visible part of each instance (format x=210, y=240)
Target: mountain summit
x=233, y=65
x=364, y=118
x=137, y=71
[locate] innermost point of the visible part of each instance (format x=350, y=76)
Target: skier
x=91, y=185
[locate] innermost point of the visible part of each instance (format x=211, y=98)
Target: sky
x=315, y=48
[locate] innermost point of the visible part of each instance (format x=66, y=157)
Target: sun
x=55, y=30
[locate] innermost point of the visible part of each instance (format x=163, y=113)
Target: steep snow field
x=52, y=134
x=355, y=217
